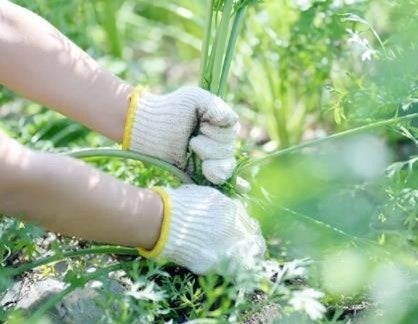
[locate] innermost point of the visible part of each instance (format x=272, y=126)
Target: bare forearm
x=40, y=63
x=67, y=196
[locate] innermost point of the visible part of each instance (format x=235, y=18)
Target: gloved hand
x=202, y=229
x=162, y=126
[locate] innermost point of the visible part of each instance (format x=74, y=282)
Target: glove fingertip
x=209, y=149
x=218, y=171
x=243, y=186
x=214, y=178
x=219, y=113
x=194, y=144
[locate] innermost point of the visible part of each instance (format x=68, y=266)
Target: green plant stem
x=220, y=45
x=349, y=132
x=282, y=112
x=235, y=31
x=70, y=254
x=107, y=152
x=204, y=55
x=110, y=27
x=277, y=112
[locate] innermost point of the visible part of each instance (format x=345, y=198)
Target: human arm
x=65, y=195
x=194, y=226
x=40, y=63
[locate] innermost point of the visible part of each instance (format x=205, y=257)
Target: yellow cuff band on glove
x=133, y=103
x=165, y=226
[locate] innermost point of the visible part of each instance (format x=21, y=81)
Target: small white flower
x=271, y=268
x=303, y=4
x=297, y=269
x=146, y=291
x=340, y=3
x=368, y=54
x=96, y=284
x=361, y=46
x=356, y=40
x=307, y=300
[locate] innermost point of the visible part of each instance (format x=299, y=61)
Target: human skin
x=56, y=192
x=40, y=63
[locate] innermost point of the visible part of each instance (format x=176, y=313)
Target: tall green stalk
x=277, y=112
x=204, y=55
x=219, y=46
x=110, y=26
x=216, y=59
x=236, y=29
x=353, y=131
x=106, y=152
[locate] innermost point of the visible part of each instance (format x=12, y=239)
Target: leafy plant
x=303, y=55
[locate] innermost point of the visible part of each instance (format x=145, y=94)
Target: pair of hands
x=203, y=226
x=206, y=227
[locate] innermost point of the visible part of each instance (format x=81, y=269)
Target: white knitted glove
x=162, y=126
x=203, y=229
